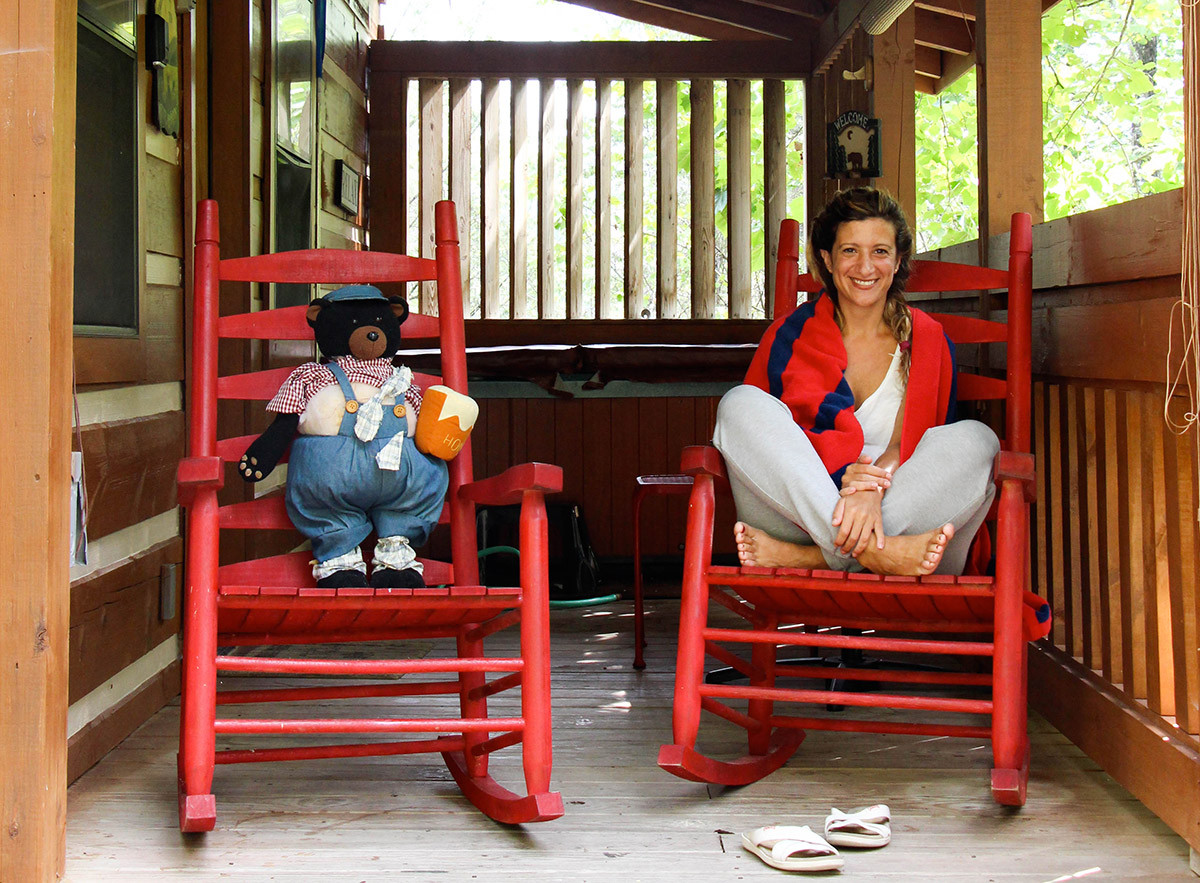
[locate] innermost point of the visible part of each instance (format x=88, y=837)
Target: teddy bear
x=352, y=468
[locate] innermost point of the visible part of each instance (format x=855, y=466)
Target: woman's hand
x=863, y=475
x=858, y=515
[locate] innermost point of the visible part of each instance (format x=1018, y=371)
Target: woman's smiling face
x=863, y=261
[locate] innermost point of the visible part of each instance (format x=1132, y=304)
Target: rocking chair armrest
x=511, y=484
x=702, y=460
x=197, y=474
x=1014, y=465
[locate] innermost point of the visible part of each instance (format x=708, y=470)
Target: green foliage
x=1112, y=118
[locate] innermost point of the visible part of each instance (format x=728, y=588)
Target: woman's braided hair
x=862, y=204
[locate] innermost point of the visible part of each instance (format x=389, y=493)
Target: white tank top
x=877, y=414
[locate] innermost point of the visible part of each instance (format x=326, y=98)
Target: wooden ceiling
x=945, y=29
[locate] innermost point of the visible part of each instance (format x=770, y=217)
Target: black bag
x=574, y=570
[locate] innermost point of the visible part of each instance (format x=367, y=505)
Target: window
x=295, y=94
x=106, y=171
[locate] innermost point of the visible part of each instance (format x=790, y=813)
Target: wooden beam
x=927, y=61
x=758, y=22
x=37, y=214
x=938, y=31
x=1137, y=748
x=893, y=103
x=1009, y=91
x=955, y=8
x=673, y=19
x=836, y=29
x=592, y=60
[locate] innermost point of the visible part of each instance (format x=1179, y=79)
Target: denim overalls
x=336, y=491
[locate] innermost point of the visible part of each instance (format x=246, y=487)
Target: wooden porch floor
x=339, y=821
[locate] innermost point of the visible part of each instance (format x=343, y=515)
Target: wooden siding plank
x=775, y=182
x=604, y=308
x=606, y=505
x=1159, y=671
x=489, y=201
x=704, y=303
x=547, y=197
x=115, y=616
x=432, y=122
x=518, y=237
x=130, y=470
x=626, y=466
x=568, y=443
x=634, y=202
x=666, y=289
x=738, y=157
x=460, y=173
x=575, y=199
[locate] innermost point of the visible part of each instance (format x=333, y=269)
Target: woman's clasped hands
x=859, y=511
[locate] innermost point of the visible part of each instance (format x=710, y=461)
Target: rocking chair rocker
x=982, y=616
x=274, y=600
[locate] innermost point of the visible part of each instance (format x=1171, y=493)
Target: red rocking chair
x=976, y=615
x=274, y=600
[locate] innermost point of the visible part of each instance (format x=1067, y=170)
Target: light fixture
x=879, y=15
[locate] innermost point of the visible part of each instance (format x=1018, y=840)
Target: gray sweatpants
x=781, y=486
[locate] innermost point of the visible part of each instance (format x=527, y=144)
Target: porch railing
x=594, y=180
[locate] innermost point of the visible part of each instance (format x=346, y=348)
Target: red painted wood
x=853, y=609
x=274, y=600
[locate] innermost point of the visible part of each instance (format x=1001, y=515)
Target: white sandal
x=866, y=828
x=792, y=848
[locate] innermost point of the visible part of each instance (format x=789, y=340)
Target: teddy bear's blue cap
x=354, y=292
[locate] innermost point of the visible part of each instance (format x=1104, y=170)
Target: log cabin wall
x=124, y=631
x=124, y=625
x=1114, y=539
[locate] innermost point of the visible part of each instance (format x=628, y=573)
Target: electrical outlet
x=167, y=591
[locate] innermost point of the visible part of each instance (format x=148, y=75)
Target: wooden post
x=1009, y=90
x=634, y=152
x=37, y=218
x=775, y=163
x=704, y=256
x=666, y=287
x=738, y=158
x=894, y=104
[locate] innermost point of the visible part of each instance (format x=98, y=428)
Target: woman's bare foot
x=917, y=555
x=757, y=548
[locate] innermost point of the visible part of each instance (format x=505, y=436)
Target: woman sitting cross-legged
x=840, y=446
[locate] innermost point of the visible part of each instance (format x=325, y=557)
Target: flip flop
x=867, y=828
x=792, y=848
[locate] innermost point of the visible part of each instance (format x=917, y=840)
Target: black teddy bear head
x=357, y=321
